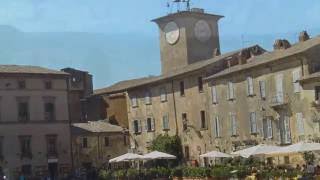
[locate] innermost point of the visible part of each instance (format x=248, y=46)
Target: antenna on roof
x=179, y=2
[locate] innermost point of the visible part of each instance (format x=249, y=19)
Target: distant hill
x=109, y=57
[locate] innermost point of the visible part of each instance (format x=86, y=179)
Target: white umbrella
x=296, y=148
x=256, y=150
x=127, y=157
x=215, y=154
x=158, y=155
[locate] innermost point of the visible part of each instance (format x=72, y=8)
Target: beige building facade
x=226, y=101
x=35, y=138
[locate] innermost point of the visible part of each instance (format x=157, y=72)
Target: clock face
x=172, y=32
x=202, y=31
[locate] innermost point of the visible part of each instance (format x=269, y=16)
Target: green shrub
x=132, y=173
x=177, y=172
x=119, y=174
x=104, y=175
x=221, y=172
x=199, y=172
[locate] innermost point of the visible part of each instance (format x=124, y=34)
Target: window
x=203, y=120
x=184, y=121
x=296, y=76
x=84, y=142
x=262, y=85
x=49, y=111
x=134, y=101
x=163, y=94
x=253, y=123
x=165, y=122
x=136, y=125
x=267, y=128
x=200, y=84
x=106, y=141
x=214, y=95
x=300, y=124
x=233, y=123
x=279, y=88
x=48, y=85
x=21, y=84
x=317, y=93
x=23, y=110
x=250, y=91
x=230, y=91
x=182, y=88
x=186, y=152
x=217, y=127
x=25, y=146
x=285, y=130
x=147, y=97
x=52, y=145
x=149, y=124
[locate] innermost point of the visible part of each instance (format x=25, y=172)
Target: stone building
x=95, y=142
x=80, y=87
x=223, y=101
x=34, y=121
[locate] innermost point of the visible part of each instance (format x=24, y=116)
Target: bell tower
x=187, y=37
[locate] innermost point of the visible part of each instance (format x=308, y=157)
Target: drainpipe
x=175, y=108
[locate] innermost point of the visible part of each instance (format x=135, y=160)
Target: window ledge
x=204, y=129
x=251, y=95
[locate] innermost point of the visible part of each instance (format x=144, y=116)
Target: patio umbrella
x=297, y=148
x=215, y=154
x=127, y=157
x=158, y=155
x=256, y=150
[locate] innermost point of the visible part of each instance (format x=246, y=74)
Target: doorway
x=53, y=170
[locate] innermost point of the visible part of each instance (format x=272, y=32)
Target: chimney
x=281, y=44
x=303, y=36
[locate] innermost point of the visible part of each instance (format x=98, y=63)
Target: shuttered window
x=262, y=85
x=149, y=125
x=165, y=122
x=287, y=133
x=233, y=123
x=279, y=88
x=250, y=91
x=203, y=120
x=163, y=94
x=253, y=123
x=134, y=101
x=147, y=97
x=296, y=76
x=230, y=91
x=300, y=124
x=214, y=95
x=136, y=126
x=267, y=128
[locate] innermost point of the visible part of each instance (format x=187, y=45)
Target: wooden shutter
x=279, y=87
x=214, y=95
x=134, y=101
x=296, y=76
x=133, y=129
x=249, y=86
x=152, y=124
x=233, y=124
x=262, y=85
x=163, y=94
x=300, y=124
x=139, y=126
x=147, y=98
x=253, y=122
x=269, y=130
x=165, y=122
x=287, y=134
x=146, y=125
x=217, y=127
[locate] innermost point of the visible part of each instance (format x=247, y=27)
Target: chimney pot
x=281, y=44
x=303, y=36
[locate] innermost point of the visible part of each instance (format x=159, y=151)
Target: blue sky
x=128, y=18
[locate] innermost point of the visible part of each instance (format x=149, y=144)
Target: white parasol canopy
x=127, y=157
x=256, y=150
x=158, y=155
x=297, y=148
x=215, y=154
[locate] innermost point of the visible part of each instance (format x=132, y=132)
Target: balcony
x=280, y=100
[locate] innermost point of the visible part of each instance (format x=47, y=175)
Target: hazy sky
x=115, y=17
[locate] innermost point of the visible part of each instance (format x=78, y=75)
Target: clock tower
x=187, y=37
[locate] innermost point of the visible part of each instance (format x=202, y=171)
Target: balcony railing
x=279, y=100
